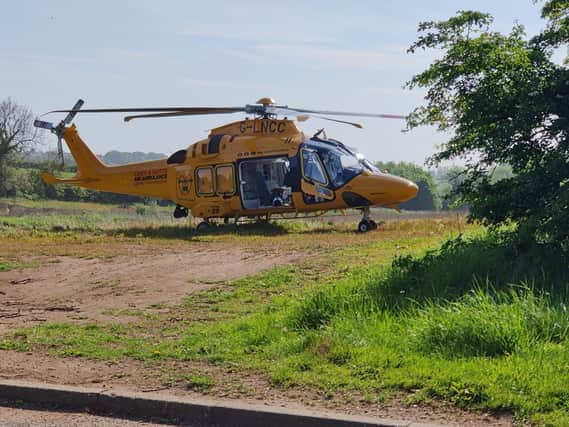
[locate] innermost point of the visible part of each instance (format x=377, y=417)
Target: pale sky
x=320, y=54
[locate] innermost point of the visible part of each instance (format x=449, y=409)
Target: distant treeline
x=22, y=178
x=114, y=157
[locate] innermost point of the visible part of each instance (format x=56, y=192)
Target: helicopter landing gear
x=366, y=224
x=203, y=226
x=180, y=212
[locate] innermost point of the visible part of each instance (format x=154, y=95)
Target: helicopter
x=259, y=167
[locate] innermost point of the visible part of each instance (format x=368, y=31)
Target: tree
x=427, y=198
x=448, y=184
x=17, y=134
x=506, y=102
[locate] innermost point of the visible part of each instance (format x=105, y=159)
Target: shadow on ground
x=253, y=229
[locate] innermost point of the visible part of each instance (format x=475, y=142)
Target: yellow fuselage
x=247, y=168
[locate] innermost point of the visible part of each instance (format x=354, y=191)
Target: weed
x=5, y=266
x=198, y=382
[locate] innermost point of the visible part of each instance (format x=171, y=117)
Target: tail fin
x=88, y=164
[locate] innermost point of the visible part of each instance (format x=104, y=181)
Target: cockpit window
x=341, y=166
x=312, y=168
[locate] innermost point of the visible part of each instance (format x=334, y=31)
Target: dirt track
x=74, y=289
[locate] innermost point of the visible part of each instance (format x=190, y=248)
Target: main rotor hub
x=266, y=101
x=264, y=107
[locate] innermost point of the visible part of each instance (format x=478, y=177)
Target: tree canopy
x=506, y=102
x=427, y=198
x=17, y=135
x=17, y=132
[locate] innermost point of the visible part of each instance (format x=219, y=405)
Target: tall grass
x=441, y=275
x=485, y=323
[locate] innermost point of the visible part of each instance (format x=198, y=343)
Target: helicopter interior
x=265, y=183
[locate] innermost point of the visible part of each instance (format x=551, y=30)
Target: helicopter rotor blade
x=302, y=117
x=358, y=125
x=342, y=113
x=191, y=110
x=260, y=110
x=72, y=113
x=179, y=113
x=60, y=152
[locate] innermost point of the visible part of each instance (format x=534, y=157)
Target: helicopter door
x=314, y=180
x=265, y=183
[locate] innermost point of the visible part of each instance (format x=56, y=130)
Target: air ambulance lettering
x=150, y=176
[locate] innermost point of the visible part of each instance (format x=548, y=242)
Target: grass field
x=424, y=309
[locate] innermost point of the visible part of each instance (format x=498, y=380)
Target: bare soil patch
x=85, y=290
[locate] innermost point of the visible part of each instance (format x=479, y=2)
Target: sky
x=317, y=54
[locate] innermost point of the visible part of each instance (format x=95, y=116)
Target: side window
x=204, y=180
x=312, y=168
x=225, y=180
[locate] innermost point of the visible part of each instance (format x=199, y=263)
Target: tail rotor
x=60, y=128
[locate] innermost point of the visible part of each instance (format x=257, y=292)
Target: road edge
x=196, y=412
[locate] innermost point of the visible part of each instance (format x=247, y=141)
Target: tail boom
x=150, y=178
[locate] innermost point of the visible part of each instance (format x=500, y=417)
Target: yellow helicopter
x=260, y=167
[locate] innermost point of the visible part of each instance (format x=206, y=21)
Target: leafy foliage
x=17, y=135
x=428, y=197
x=506, y=102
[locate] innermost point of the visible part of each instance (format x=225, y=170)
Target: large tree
x=505, y=102
x=17, y=134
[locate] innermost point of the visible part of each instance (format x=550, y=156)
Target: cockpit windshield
x=341, y=165
x=370, y=166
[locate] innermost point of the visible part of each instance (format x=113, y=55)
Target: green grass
x=481, y=322
x=198, y=382
x=52, y=218
x=6, y=266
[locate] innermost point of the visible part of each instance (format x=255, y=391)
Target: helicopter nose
x=396, y=189
x=383, y=190
x=406, y=190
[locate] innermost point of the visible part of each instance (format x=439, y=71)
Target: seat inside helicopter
x=265, y=183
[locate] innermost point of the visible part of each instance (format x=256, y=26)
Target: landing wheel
x=365, y=225
x=203, y=226
x=180, y=212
